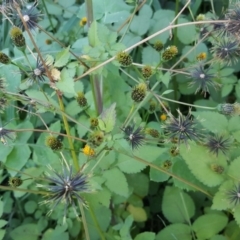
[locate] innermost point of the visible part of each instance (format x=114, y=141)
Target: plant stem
x=96, y=80
x=49, y=17
x=66, y=125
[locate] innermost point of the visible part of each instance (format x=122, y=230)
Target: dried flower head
x=147, y=71
x=30, y=16
x=94, y=122
x=234, y=195
x=2, y=85
x=218, y=143
x=233, y=17
x=229, y=109
x=202, y=79
x=226, y=50
x=124, y=59
x=18, y=38
x=183, y=128
x=55, y=74
x=6, y=133
x=152, y=106
x=65, y=187
x=152, y=132
x=54, y=143
x=169, y=53
x=81, y=99
x=167, y=164
x=96, y=138
x=217, y=168
x=4, y=59
x=15, y=181
x=158, y=46
x=88, y=151
x=139, y=92
x=134, y=137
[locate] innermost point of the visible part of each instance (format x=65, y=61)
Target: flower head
x=30, y=15
x=234, y=195
x=218, y=144
x=39, y=72
x=135, y=138
x=229, y=109
x=226, y=50
x=65, y=187
x=202, y=79
x=182, y=128
x=88, y=151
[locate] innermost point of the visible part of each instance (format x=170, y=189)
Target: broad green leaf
x=175, y=231
x=66, y=82
x=166, y=79
x=29, y=231
x=116, y=181
x=3, y=223
x=22, y=137
x=201, y=163
x=218, y=237
x=233, y=169
x=138, y=213
x=177, y=206
x=108, y=118
x=62, y=58
x=167, y=91
x=150, y=56
x=30, y=206
x=234, y=124
x=208, y=225
x=236, y=214
x=212, y=121
x=17, y=158
x=186, y=34
x=226, y=89
x=232, y=231
x=145, y=236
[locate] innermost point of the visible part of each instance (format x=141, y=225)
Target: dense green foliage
x=120, y=120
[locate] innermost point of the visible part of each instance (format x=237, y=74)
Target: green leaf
x=62, y=58
x=166, y=79
x=208, y=225
x=218, y=237
x=200, y=162
x=186, y=34
x=145, y=236
x=1, y=207
x=207, y=120
x=150, y=56
x=226, y=89
x=138, y=213
x=22, y=137
x=17, y=158
x=236, y=214
x=66, y=82
x=175, y=231
x=177, y=206
x=232, y=231
x=108, y=118
x=93, y=35
x=29, y=231
x=3, y=223
x=233, y=169
x=116, y=181
x=30, y=206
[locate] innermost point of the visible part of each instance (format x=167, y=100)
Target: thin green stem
x=66, y=125
x=49, y=17
x=84, y=221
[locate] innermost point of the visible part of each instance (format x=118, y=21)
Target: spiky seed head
x=4, y=59
x=229, y=109
x=158, y=46
x=201, y=56
x=139, y=92
x=174, y=150
x=96, y=138
x=15, y=181
x=217, y=168
x=134, y=137
x=169, y=53
x=152, y=132
x=81, y=99
x=124, y=59
x=234, y=195
x=147, y=71
x=167, y=164
x=94, y=122
x=18, y=38
x=88, y=151
x=53, y=143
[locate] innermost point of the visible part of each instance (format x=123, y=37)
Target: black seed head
x=139, y=92
x=15, y=181
x=234, y=195
x=124, y=59
x=53, y=143
x=81, y=99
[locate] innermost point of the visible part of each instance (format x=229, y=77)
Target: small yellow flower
x=163, y=117
x=88, y=151
x=83, y=21
x=201, y=56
